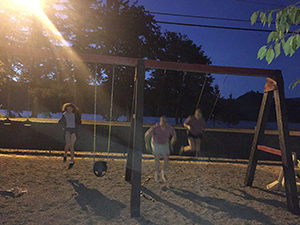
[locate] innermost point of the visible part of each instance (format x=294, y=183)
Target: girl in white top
x=71, y=120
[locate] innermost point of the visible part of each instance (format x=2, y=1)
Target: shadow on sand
x=91, y=200
x=7, y=194
x=189, y=215
x=233, y=209
x=244, y=194
x=143, y=221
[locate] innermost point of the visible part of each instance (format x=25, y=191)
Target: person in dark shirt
x=195, y=125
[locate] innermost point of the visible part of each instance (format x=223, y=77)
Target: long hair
x=68, y=104
x=75, y=111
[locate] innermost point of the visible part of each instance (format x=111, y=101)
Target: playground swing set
x=100, y=167
x=197, y=105
x=274, y=86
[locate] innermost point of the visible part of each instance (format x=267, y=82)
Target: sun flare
x=34, y=6
x=36, y=9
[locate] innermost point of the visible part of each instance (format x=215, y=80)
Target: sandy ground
x=199, y=193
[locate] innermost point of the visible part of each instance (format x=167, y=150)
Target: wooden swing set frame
x=274, y=87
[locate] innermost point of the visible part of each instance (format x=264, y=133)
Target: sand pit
x=199, y=194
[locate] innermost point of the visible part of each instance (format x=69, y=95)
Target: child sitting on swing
x=161, y=132
x=71, y=119
x=195, y=125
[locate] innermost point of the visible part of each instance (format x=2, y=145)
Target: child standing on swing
x=161, y=132
x=71, y=119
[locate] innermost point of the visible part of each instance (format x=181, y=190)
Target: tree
x=176, y=93
x=125, y=30
x=227, y=110
x=115, y=27
x=283, y=37
x=25, y=30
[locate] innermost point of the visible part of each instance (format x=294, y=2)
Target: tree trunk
x=35, y=107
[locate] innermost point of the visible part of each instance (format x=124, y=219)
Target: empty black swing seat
x=100, y=168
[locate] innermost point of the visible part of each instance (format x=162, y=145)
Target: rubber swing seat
x=100, y=168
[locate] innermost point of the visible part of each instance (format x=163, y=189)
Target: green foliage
x=270, y=18
x=282, y=36
x=272, y=36
x=293, y=85
x=277, y=48
x=254, y=17
x=270, y=55
x=262, y=52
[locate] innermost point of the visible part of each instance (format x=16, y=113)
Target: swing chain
x=111, y=108
x=95, y=113
x=217, y=98
x=201, y=92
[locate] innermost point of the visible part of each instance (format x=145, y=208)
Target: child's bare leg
x=166, y=162
x=68, y=142
x=191, y=146
x=197, y=147
x=165, y=167
x=156, y=158
x=67, y=147
x=73, y=140
x=156, y=161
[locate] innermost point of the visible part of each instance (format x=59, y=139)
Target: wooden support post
x=138, y=140
x=286, y=156
x=258, y=137
x=128, y=170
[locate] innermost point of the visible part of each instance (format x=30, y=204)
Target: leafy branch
x=282, y=37
x=293, y=85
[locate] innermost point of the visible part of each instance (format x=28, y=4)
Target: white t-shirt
x=70, y=120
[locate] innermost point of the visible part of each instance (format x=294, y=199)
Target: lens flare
x=34, y=6
x=37, y=9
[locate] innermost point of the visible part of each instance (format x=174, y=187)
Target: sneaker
x=71, y=165
x=156, y=177
x=164, y=177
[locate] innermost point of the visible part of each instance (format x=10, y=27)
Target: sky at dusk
x=229, y=47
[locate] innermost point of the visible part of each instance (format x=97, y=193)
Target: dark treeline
x=114, y=27
x=246, y=107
